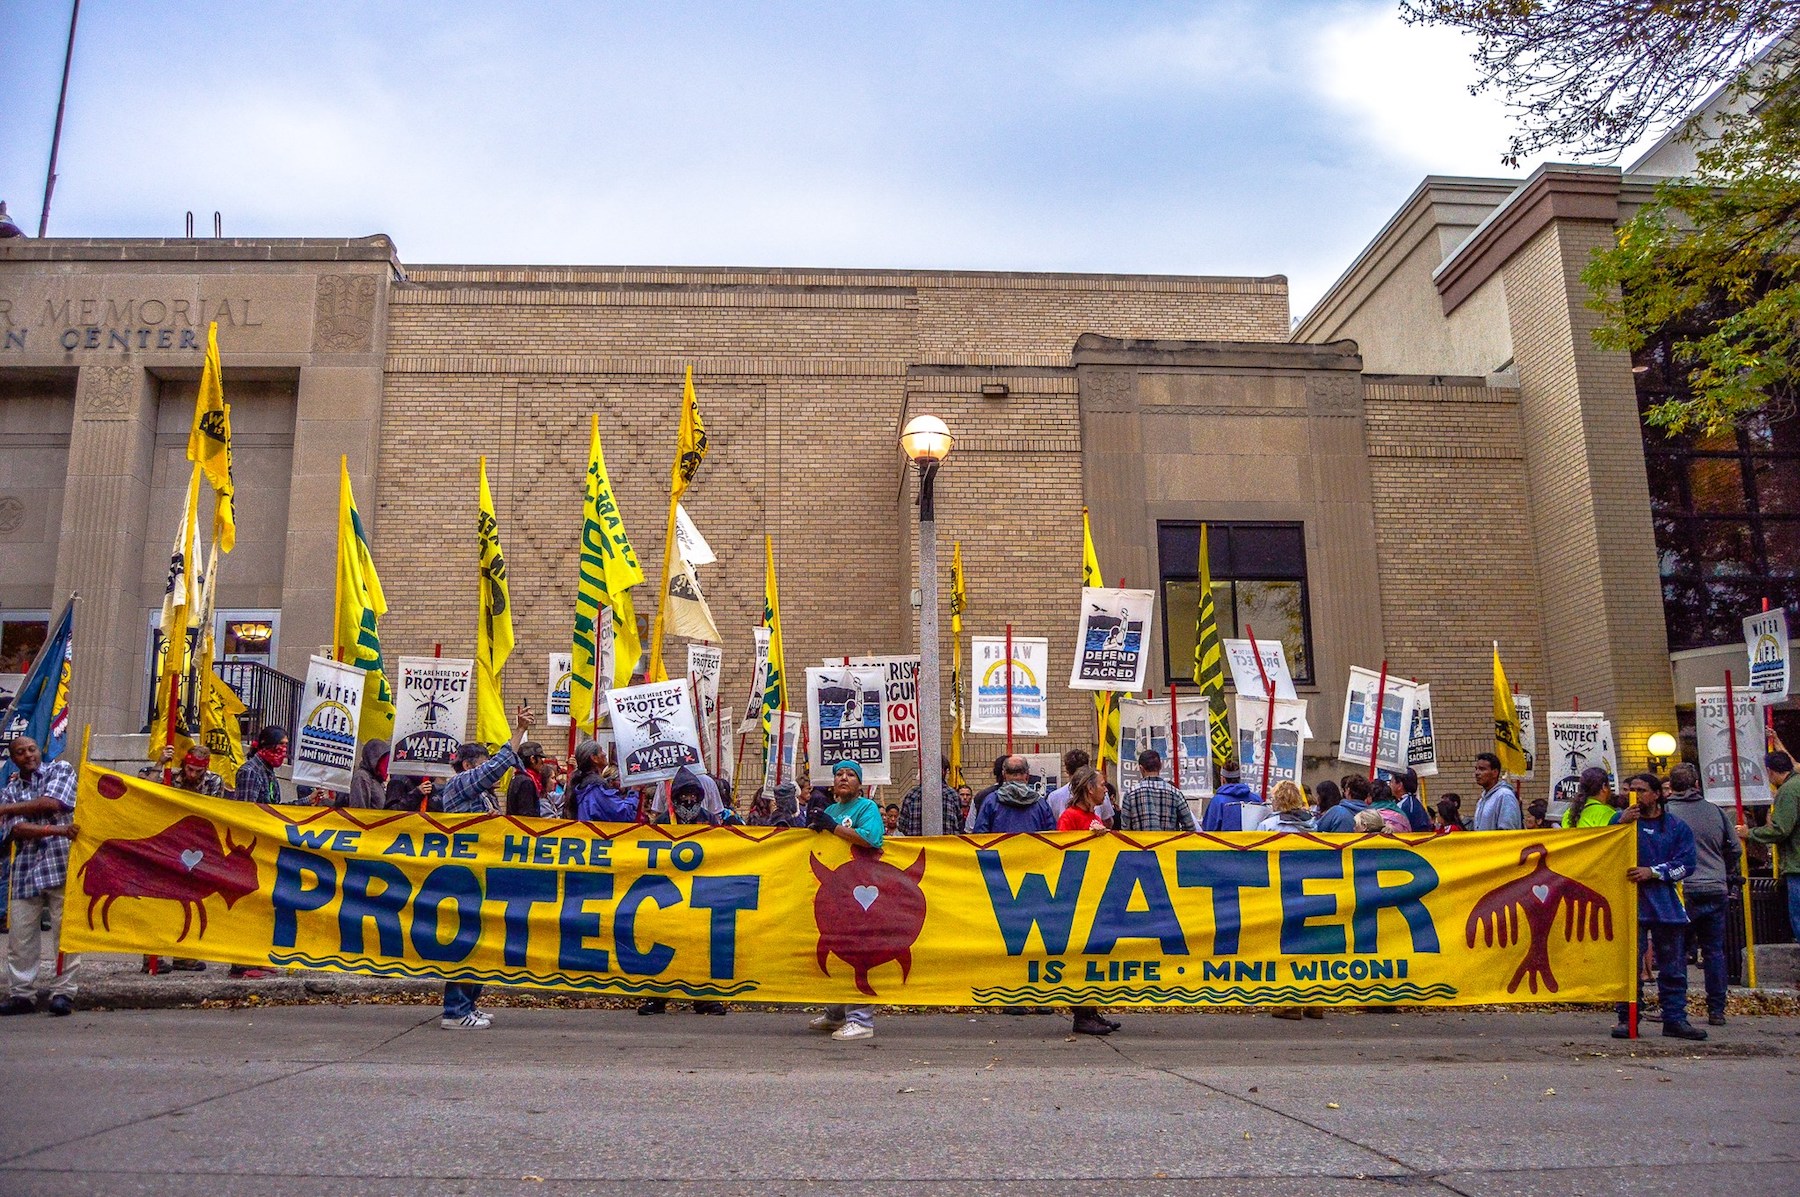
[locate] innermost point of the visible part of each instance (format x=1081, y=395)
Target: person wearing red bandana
x=256, y=777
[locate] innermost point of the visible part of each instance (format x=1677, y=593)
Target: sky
x=1196, y=138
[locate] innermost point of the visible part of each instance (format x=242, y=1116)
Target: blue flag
x=41, y=708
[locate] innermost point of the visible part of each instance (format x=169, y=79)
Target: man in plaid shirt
x=1153, y=804
x=912, y=808
x=35, y=808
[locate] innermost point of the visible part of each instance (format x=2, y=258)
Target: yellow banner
x=794, y=916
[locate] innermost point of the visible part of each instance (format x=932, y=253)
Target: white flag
x=693, y=546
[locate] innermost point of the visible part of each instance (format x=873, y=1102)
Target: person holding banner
x=856, y=820
x=195, y=775
x=1666, y=856
x=36, y=800
x=256, y=776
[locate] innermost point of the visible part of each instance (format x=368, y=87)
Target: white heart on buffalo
x=192, y=857
x=865, y=895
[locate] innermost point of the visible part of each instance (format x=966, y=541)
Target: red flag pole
x=1174, y=735
x=169, y=726
x=780, y=742
x=1380, y=697
x=1009, y=692
x=1737, y=781
x=1269, y=722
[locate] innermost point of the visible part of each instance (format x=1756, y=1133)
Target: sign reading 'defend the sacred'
x=1145, y=724
x=325, y=744
x=431, y=714
x=1112, y=651
x=846, y=708
x=1027, y=669
x=1359, y=731
x=716, y=914
x=1285, y=744
x=656, y=732
x=1766, y=636
x=1421, y=746
x=1718, y=781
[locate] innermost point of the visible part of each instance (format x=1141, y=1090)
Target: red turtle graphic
x=1539, y=895
x=185, y=862
x=869, y=913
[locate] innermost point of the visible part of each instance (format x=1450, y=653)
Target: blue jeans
x=1793, y=889
x=1706, y=929
x=460, y=999
x=862, y=1016
x=1670, y=941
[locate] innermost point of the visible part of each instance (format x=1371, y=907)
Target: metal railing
x=270, y=697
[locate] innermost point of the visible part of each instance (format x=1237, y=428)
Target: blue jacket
x=1666, y=847
x=1415, y=812
x=997, y=816
x=597, y=802
x=1224, y=812
x=1342, y=817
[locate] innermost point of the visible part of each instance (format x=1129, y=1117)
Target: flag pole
x=1009, y=691
x=1269, y=721
x=1174, y=734
x=1375, y=738
x=1737, y=794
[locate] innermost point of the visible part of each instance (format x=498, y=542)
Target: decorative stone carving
x=1114, y=390
x=12, y=514
x=108, y=392
x=344, y=317
x=1334, y=394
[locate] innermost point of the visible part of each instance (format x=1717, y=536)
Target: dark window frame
x=1224, y=573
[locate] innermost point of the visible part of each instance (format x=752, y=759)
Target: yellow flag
x=180, y=612
x=690, y=450
x=1509, y=738
x=1106, y=702
x=220, y=731
x=775, y=691
x=209, y=442
x=493, y=627
x=959, y=603
x=608, y=569
x=1209, y=660
x=356, y=631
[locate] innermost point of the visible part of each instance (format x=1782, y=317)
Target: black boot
x=654, y=1006
x=1092, y=1024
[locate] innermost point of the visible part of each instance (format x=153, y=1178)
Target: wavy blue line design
x=374, y=968
x=1202, y=995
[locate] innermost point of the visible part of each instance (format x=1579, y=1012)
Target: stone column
x=337, y=413
x=100, y=553
x=1604, y=635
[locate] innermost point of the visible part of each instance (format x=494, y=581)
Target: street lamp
x=1661, y=746
x=926, y=442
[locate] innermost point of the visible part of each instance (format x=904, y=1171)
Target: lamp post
x=926, y=442
x=1660, y=747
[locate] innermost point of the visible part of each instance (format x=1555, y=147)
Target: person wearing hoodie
x=368, y=785
x=1013, y=806
x=1235, y=806
x=1709, y=891
x=687, y=797
x=1666, y=857
x=1291, y=812
x=1341, y=818
x=594, y=790
x=1153, y=804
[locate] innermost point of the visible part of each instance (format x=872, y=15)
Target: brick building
x=1435, y=457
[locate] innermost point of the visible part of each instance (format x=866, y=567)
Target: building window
x=238, y=635
x=1259, y=583
x=1726, y=508
x=22, y=636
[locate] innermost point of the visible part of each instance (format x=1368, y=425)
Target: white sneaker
x=468, y=1022
x=824, y=1023
x=853, y=1030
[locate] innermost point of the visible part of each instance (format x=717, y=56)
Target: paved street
x=372, y=1099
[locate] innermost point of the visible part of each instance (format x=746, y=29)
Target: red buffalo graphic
x=1538, y=895
x=869, y=913
x=184, y=862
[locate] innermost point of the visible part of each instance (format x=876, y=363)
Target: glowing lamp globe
x=1661, y=744
x=926, y=438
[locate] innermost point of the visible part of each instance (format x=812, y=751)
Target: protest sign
x=902, y=693
x=325, y=743
x=1144, y=723
x=1112, y=644
x=783, y=742
x=1289, y=739
x=1244, y=676
x=1527, y=734
x=1030, y=663
x=759, y=677
x=767, y=915
x=556, y=695
x=1044, y=772
x=1766, y=639
x=654, y=727
x=705, y=666
x=1392, y=748
x=1713, y=733
x=431, y=715
x=1421, y=748
x=1574, y=740
x=846, y=716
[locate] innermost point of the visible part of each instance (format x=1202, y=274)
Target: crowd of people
x=1688, y=877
